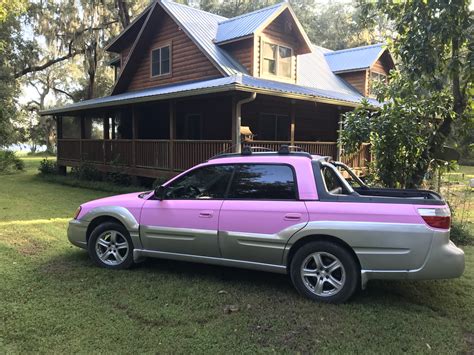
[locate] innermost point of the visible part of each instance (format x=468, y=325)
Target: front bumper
x=444, y=261
x=77, y=233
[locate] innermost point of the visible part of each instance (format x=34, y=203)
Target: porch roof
x=236, y=82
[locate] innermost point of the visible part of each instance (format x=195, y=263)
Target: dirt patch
x=28, y=246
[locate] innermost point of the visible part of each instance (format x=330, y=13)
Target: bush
x=48, y=167
x=86, y=171
x=118, y=178
x=460, y=234
x=9, y=162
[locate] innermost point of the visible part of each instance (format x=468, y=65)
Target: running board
x=139, y=254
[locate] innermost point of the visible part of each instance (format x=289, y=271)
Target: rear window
x=263, y=182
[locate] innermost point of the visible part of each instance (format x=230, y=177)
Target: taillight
x=436, y=217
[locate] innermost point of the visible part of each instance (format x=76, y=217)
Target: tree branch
x=63, y=92
x=35, y=68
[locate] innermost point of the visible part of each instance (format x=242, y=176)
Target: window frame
x=159, y=48
x=277, y=60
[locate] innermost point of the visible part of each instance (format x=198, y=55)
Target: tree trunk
x=122, y=7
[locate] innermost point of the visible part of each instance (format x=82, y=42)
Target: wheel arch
x=97, y=221
x=316, y=237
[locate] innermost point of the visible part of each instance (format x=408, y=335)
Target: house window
x=274, y=127
x=277, y=60
x=160, y=61
x=376, y=78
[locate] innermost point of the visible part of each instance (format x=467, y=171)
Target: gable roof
x=252, y=23
x=357, y=58
x=246, y=24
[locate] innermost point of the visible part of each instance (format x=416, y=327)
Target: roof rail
x=248, y=150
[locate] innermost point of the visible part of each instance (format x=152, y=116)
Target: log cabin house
x=191, y=84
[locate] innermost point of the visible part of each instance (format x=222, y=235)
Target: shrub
x=48, y=167
x=118, y=178
x=9, y=162
x=460, y=234
x=86, y=171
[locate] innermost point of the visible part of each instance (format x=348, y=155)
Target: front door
x=186, y=220
x=261, y=213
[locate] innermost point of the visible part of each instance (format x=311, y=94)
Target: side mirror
x=160, y=192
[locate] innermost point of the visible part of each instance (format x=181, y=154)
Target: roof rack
x=248, y=150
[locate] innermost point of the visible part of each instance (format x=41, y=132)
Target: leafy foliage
x=401, y=131
x=430, y=91
x=9, y=162
x=48, y=167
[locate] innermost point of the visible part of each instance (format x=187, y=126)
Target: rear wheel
x=110, y=246
x=325, y=272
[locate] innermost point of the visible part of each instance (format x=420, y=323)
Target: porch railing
x=180, y=154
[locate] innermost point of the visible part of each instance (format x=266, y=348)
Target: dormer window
x=277, y=60
x=161, y=61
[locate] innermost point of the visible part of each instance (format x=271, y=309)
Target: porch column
x=134, y=136
x=293, y=119
x=83, y=135
x=172, y=117
x=339, y=132
x=106, y=137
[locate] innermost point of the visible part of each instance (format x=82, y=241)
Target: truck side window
x=263, y=182
x=332, y=181
x=208, y=182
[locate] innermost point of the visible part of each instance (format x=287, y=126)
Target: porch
x=165, y=137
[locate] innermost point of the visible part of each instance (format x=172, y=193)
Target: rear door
x=261, y=212
x=186, y=220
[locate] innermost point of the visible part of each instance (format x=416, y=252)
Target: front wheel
x=325, y=272
x=110, y=246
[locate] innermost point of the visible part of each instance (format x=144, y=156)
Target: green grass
x=53, y=300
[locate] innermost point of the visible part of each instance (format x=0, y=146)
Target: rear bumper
x=77, y=233
x=444, y=261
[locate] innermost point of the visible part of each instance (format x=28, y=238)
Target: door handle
x=206, y=214
x=292, y=216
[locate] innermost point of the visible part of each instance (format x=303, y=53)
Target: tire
x=110, y=246
x=319, y=282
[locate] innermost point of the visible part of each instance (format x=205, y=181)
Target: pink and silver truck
x=284, y=212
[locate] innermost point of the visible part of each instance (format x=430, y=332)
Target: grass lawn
x=53, y=300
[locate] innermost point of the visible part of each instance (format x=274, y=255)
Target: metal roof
x=234, y=82
x=354, y=58
x=246, y=24
x=202, y=27
x=314, y=71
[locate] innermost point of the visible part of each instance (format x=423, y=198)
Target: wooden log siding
x=358, y=79
x=187, y=61
x=242, y=52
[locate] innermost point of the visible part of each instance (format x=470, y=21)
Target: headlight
x=77, y=212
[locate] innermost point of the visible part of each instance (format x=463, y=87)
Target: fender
x=120, y=213
x=387, y=246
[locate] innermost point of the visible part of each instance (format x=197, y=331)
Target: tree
x=12, y=48
x=430, y=91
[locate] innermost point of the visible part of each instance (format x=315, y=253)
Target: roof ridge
x=223, y=18
x=253, y=12
x=353, y=49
